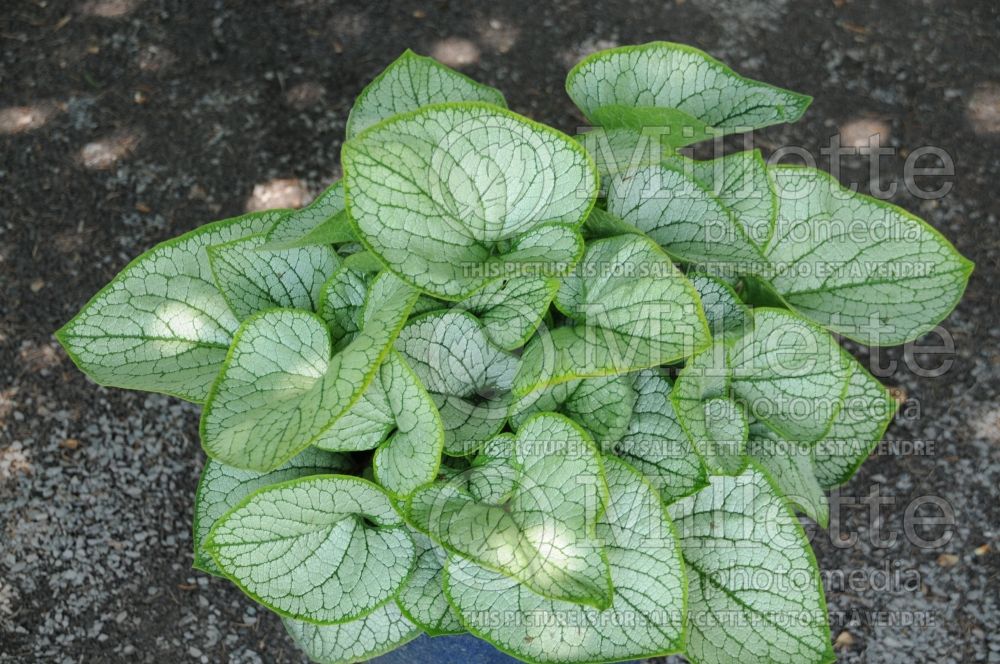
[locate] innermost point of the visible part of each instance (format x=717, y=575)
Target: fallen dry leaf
x=947, y=560
x=843, y=641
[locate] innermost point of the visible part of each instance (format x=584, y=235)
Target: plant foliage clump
x=564, y=393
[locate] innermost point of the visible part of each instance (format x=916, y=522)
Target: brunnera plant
x=566, y=394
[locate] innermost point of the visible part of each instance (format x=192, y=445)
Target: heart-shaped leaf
x=546, y=249
x=867, y=410
x=280, y=389
x=322, y=222
x=634, y=310
x=382, y=630
x=493, y=475
x=716, y=427
x=439, y=192
x=543, y=534
x=789, y=374
x=223, y=487
x=468, y=377
x=682, y=92
x=754, y=592
x=602, y=406
x=161, y=325
x=324, y=549
x=656, y=444
x=728, y=428
x=411, y=456
x=422, y=598
x=685, y=218
x=512, y=309
x=340, y=301
x=398, y=416
x=367, y=423
x=727, y=316
x=620, y=150
x=742, y=184
x=790, y=466
x=253, y=278
x=860, y=266
x=410, y=82
x=647, y=616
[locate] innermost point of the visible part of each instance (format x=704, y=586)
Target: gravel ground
x=125, y=122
